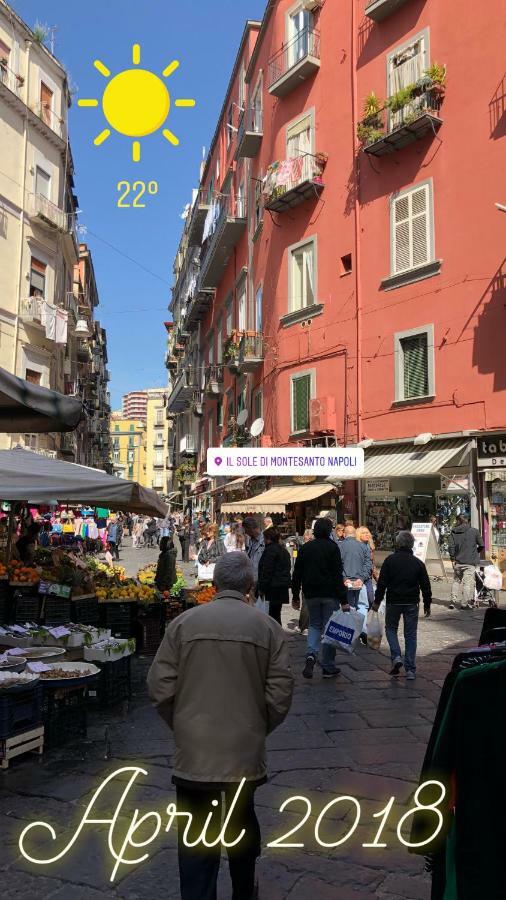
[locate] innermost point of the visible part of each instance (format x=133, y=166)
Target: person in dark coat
x=166, y=569
x=274, y=573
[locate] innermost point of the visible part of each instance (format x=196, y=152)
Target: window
x=32, y=376
x=46, y=103
x=299, y=137
x=241, y=396
x=30, y=441
x=229, y=125
x=302, y=391
x=116, y=427
x=242, y=87
x=406, y=66
x=210, y=431
x=132, y=427
x=159, y=437
x=42, y=182
x=210, y=350
x=131, y=442
x=241, y=201
x=159, y=417
x=256, y=105
x=37, y=278
x=412, y=228
x=299, y=24
x=258, y=309
x=258, y=204
x=219, y=414
x=346, y=264
x=159, y=458
x=241, y=306
x=230, y=403
x=230, y=317
x=414, y=363
x=131, y=456
x=219, y=341
x=130, y=472
x=116, y=455
x=302, y=270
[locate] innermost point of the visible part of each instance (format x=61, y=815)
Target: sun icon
x=136, y=103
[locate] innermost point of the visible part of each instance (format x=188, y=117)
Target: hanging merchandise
x=448, y=507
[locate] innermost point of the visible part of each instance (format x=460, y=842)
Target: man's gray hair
x=251, y=522
x=233, y=572
x=404, y=541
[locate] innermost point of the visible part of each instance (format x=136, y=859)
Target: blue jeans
x=358, y=600
x=409, y=612
x=320, y=610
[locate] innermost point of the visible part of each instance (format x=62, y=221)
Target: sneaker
x=330, y=673
x=452, y=605
x=307, y=671
x=363, y=639
x=410, y=676
x=396, y=668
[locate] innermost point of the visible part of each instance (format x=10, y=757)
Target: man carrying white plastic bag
x=343, y=629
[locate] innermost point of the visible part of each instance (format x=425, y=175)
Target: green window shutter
x=416, y=366
x=301, y=394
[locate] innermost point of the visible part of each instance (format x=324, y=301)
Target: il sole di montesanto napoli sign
x=339, y=462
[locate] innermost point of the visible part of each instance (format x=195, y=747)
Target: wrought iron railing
x=11, y=79
x=305, y=43
x=41, y=206
x=393, y=116
x=31, y=309
x=251, y=346
x=55, y=122
x=251, y=120
x=286, y=175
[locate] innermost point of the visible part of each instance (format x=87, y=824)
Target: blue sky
x=204, y=36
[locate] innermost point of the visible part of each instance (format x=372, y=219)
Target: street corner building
x=339, y=275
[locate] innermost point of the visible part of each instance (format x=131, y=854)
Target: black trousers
x=199, y=866
x=275, y=610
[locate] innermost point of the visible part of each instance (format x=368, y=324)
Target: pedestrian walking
x=357, y=569
x=402, y=577
x=183, y=533
x=211, y=547
x=254, y=544
x=363, y=534
x=318, y=572
x=465, y=547
x=166, y=567
x=274, y=573
x=220, y=723
x=235, y=539
x=112, y=537
x=301, y=605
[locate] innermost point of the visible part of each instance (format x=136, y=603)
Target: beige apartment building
x=156, y=440
x=140, y=444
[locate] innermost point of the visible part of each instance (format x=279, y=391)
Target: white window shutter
x=411, y=243
x=420, y=239
x=401, y=234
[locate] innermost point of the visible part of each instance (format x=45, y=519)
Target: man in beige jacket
x=221, y=680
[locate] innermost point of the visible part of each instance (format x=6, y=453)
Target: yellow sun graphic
x=136, y=103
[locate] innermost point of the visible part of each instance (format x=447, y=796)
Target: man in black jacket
x=318, y=571
x=402, y=577
x=465, y=546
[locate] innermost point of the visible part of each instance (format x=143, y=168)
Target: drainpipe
x=355, y=163
x=22, y=225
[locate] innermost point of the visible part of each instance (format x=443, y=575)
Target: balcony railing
x=226, y=225
x=39, y=207
x=250, y=133
x=214, y=382
x=185, y=384
x=377, y=10
x=188, y=445
x=393, y=127
x=71, y=305
x=31, y=311
x=197, y=217
x=251, y=351
x=11, y=79
x=290, y=181
x=296, y=61
x=55, y=122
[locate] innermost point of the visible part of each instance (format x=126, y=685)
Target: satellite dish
x=242, y=418
x=257, y=427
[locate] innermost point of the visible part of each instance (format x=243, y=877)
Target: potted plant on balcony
x=185, y=472
x=370, y=129
x=20, y=80
x=437, y=75
x=231, y=354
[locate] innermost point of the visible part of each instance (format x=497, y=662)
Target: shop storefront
x=491, y=453
x=292, y=506
x=404, y=483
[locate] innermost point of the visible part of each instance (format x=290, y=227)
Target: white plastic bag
x=375, y=629
x=492, y=578
x=343, y=629
x=205, y=572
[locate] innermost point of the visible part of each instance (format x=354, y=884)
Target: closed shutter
x=415, y=366
x=410, y=230
x=301, y=395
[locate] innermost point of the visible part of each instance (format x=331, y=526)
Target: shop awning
x=399, y=460
x=278, y=498
x=27, y=407
x=230, y=486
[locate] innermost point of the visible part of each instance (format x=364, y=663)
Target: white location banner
x=340, y=462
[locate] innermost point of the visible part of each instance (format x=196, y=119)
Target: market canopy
x=399, y=460
x=27, y=476
x=278, y=498
x=31, y=408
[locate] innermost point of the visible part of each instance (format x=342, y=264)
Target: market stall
x=292, y=506
x=29, y=408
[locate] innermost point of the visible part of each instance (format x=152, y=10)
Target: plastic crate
x=113, y=685
x=86, y=612
x=121, y=618
x=20, y=710
x=150, y=628
x=56, y=610
x=64, y=714
x=25, y=608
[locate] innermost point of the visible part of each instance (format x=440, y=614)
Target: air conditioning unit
x=266, y=440
x=322, y=415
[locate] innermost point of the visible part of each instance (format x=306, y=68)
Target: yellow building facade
x=128, y=447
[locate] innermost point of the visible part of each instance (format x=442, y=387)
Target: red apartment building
x=340, y=273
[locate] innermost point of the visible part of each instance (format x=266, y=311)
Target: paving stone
x=80, y=892
x=298, y=740
x=413, y=887
x=374, y=736
x=329, y=758
x=402, y=719
x=336, y=722
x=308, y=886
x=23, y=886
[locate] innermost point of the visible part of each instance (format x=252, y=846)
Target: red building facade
x=343, y=256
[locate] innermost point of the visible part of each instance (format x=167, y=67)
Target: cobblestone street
x=363, y=735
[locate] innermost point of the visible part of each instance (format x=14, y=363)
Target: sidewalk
x=363, y=735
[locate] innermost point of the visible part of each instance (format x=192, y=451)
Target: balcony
x=51, y=119
x=289, y=182
x=392, y=127
x=83, y=352
x=182, y=392
x=188, y=445
x=227, y=227
x=198, y=215
x=250, y=133
x=158, y=442
x=171, y=362
x=11, y=80
x=297, y=60
x=377, y=10
x=31, y=312
x=72, y=308
x=199, y=304
x=46, y=212
x=158, y=465
x=251, y=351
x=213, y=386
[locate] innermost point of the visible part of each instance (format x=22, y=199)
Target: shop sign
x=492, y=451
x=378, y=486
x=427, y=549
x=55, y=590
x=459, y=484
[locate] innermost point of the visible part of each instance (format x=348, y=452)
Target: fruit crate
x=173, y=608
x=150, y=628
x=121, y=618
x=26, y=607
x=64, y=714
x=85, y=611
x=56, y=610
x=113, y=685
x=20, y=709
